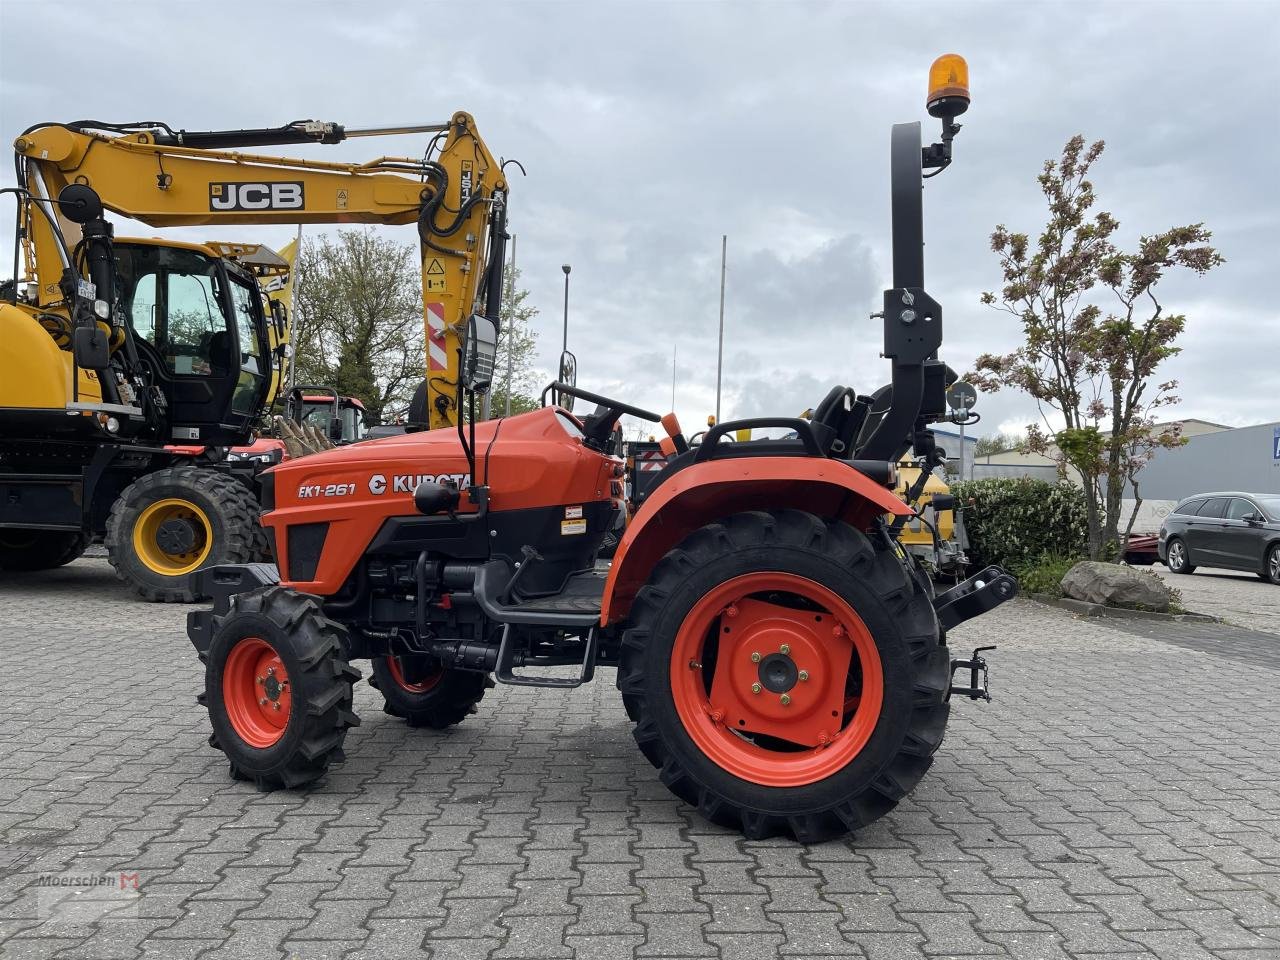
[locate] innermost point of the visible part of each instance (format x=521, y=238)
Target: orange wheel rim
x=256, y=692
x=776, y=679
x=427, y=682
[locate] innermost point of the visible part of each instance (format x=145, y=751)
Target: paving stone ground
x=1119, y=799
x=1235, y=596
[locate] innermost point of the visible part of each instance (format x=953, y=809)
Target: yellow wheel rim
x=173, y=560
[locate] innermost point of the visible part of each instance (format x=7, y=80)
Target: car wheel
x=1271, y=569
x=1178, y=560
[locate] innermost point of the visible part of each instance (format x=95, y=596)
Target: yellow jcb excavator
x=130, y=365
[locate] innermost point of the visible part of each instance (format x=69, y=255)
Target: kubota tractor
x=784, y=661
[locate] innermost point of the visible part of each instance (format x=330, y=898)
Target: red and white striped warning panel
x=437, y=357
x=650, y=460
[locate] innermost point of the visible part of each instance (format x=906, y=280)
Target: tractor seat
x=842, y=412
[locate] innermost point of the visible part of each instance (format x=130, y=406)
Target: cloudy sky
x=648, y=130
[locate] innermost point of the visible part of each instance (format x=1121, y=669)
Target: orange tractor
x=783, y=660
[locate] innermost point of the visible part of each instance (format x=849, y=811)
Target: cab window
x=249, y=361
x=172, y=300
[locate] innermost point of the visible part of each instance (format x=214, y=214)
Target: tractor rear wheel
x=278, y=688
x=787, y=675
x=40, y=549
x=425, y=694
x=168, y=524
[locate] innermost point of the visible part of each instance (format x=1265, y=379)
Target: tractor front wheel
x=278, y=688
x=425, y=694
x=786, y=675
x=173, y=522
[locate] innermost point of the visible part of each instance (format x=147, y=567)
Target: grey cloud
x=651, y=129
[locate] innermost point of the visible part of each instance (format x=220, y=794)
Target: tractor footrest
x=575, y=606
x=504, y=672
x=977, y=667
x=973, y=597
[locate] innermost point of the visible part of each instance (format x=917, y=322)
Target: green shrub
x=1017, y=521
x=1044, y=575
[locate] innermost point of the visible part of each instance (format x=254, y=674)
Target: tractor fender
x=706, y=492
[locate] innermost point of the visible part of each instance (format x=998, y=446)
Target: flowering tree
x=1094, y=335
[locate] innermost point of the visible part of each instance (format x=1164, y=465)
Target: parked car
x=1239, y=531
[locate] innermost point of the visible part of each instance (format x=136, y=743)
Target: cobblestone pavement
x=1120, y=799
x=1235, y=596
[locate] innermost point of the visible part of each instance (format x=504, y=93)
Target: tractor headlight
x=102, y=309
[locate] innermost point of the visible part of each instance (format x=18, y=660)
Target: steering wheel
x=600, y=427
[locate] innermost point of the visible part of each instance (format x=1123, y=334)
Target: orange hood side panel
x=533, y=462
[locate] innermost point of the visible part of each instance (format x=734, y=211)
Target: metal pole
x=293, y=300
x=511, y=303
x=724, y=252
x=962, y=448
x=564, y=345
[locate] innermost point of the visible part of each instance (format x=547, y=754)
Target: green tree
x=995, y=443
x=357, y=318
x=1092, y=363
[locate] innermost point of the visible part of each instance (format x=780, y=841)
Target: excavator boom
x=455, y=193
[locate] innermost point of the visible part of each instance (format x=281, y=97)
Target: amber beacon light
x=948, y=86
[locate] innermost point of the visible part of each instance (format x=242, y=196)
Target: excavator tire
x=171, y=523
x=424, y=694
x=787, y=675
x=278, y=688
x=40, y=549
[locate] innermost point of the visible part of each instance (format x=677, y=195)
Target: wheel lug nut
x=262, y=680
x=730, y=611
x=785, y=649
x=755, y=658
x=804, y=674
x=262, y=702
x=837, y=631
x=277, y=704
x=786, y=699
x=756, y=688
x=716, y=716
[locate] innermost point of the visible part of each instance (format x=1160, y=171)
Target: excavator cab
x=201, y=333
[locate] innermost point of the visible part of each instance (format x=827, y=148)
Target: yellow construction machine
x=131, y=365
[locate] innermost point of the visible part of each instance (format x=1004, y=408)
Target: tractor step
x=504, y=672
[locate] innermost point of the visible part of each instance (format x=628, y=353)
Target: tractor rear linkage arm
x=974, y=597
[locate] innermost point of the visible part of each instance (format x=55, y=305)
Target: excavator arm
x=455, y=193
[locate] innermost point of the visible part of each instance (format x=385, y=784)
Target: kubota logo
x=408, y=482
x=226, y=195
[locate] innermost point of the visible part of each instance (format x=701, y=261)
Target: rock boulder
x=1116, y=586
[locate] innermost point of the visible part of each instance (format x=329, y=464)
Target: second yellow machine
x=130, y=365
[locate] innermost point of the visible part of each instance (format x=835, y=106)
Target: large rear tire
x=786, y=674
x=40, y=549
x=424, y=694
x=278, y=688
x=167, y=525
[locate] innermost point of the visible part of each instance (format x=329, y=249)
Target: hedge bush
x=1044, y=575
x=1017, y=521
